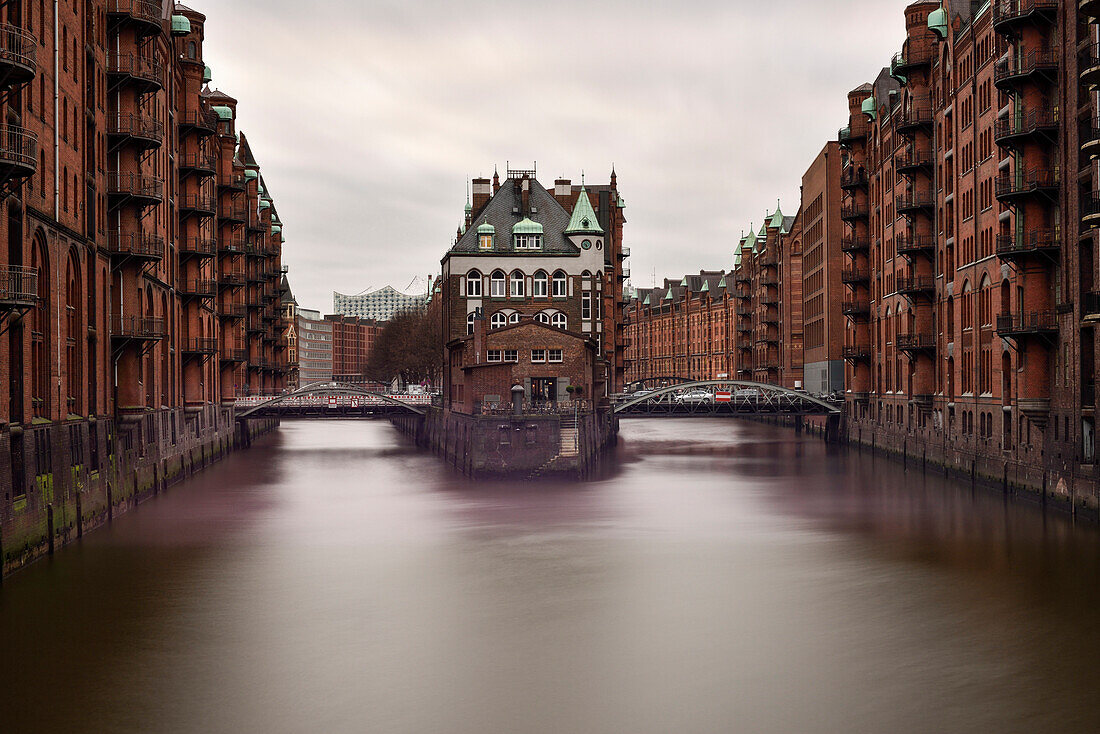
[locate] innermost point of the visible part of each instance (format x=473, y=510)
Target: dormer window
x=485, y=242
x=528, y=241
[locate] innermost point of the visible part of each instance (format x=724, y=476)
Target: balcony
x=195, y=346
x=146, y=75
x=197, y=247
x=234, y=356
x=1026, y=244
x=913, y=344
x=143, y=15
x=17, y=61
x=916, y=202
x=1018, y=129
x=916, y=244
x=18, y=287
x=203, y=164
x=256, y=223
x=918, y=117
x=858, y=352
x=18, y=153
x=1009, y=16
x=232, y=278
x=771, y=300
x=202, y=122
x=912, y=161
x=742, y=277
x=1016, y=187
x=1090, y=306
x=134, y=188
x=1089, y=138
x=203, y=205
x=197, y=288
x=768, y=338
x=906, y=62
x=853, y=178
x=624, y=253
x=254, y=325
x=854, y=212
x=145, y=247
x=1090, y=8
x=231, y=246
x=769, y=281
x=857, y=309
x=143, y=131
x=233, y=311
x=236, y=182
x=137, y=328
x=1027, y=68
x=855, y=275
x=848, y=135
x=1035, y=323
x=1090, y=210
x=234, y=213
x=913, y=286
x=849, y=243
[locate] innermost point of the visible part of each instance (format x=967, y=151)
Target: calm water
x=725, y=577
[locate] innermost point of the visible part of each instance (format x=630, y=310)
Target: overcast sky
x=368, y=117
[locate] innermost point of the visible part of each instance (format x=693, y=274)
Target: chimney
x=563, y=190
x=525, y=197
x=481, y=195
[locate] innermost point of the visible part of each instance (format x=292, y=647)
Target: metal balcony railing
x=915, y=244
x=144, y=246
x=198, y=246
x=855, y=275
x=1039, y=61
x=916, y=342
x=849, y=243
x=139, y=68
x=138, y=327
x=146, y=128
x=201, y=120
x=17, y=53
x=1025, y=123
x=19, y=149
x=18, y=286
x=1029, y=242
x=203, y=162
x=1034, y=322
x=199, y=345
x=146, y=12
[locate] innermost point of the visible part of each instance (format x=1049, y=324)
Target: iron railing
x=17, y=46
x=19, y=146
x=138, y=327
x=135, y=245
x=18, y=284
x=1033, y=322
x=138, y=67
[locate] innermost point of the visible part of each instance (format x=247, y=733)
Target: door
x=544, y=390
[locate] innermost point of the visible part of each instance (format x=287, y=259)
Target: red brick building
x=822, y=265
x=143, y=250
x=352, y=341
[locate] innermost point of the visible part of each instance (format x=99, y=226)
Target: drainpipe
x=57, y=177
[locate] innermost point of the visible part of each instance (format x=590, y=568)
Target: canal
x=722, y=577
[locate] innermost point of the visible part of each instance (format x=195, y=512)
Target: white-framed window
x=542, y=317
x=517, y=284
x=470, y=323
x=473, y=284
x=559, y=321
x=498, y=320
x=586, y=305
x=528, y=241
x=493, y=355
x=511, y=355
x=561, y=285
x=554, y=355
x=538, y=355
x=540, y=284
x=513, y=318
x=485, y=242
x=498, y=284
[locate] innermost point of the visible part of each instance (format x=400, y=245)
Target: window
x=511, y=355
x=498, y=284
x=473, y=284
x=560, y=285
x=498, y=320
x=493, y=355
x=542, y=317
x=554, y=355
x=485, y=242
x=586, y=305
x=517, y=284
x=470, y=323
x=513, y=318
x=538, y=355
x=558, y=321
x=528, y=241
x=540, y=284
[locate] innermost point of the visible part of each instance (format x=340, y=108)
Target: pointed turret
x=584, y=219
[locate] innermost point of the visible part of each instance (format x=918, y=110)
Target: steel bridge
x=722, y=397
x=330, y=400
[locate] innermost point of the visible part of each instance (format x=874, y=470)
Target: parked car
x=695, y=396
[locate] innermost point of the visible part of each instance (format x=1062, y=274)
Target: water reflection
x=720, y=576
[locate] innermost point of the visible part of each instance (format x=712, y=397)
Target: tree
x=409, y=347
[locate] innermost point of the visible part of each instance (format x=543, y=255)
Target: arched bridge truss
x=655, y=383
x=723, y=397
x=297, y=402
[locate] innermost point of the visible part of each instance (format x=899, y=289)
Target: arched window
x=73, y=345
x=540, y=284
x=192, y=50
x=561, y=288
x=498, y=320
x=473, y=284
x=470, y=319
x=517, y=284
x=542, y=317
x=513, y=318
x=40, y=363
x=984, y=317
x=559, y=321
x=498, y=284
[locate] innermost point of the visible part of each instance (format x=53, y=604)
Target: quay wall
x=63, y=479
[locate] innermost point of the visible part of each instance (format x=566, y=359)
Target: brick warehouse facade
x=139, y=285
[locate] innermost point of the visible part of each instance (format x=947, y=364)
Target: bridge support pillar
x=832, y=429
x=798, y=425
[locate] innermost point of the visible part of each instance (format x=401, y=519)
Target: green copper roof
x=706, y=287
x=265, y=204
x=737, y=259
x=207, y=75
x=526, y=226
x=583, y=220
x=722, y=282
x=486, y=228
x=276, y=229
x=937, y=21
x=870, y=108
x=777, y=218
x=668, y=296
x=646, y=301
x=622, y=203
x=181, y=26
x=223, y=112
x=684, y=282
x=251, y=173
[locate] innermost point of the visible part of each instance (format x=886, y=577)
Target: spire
x=614, y=178
x=777, y=218
x=496, y=179
x=584, y=219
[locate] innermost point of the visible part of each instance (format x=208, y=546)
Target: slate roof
x=499, y=213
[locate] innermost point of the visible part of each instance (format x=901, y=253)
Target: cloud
x=369, y=117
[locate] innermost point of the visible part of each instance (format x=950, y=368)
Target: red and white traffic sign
x=723, y=396
x=332, y=401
